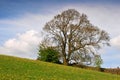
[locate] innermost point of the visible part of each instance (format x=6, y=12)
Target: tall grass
x=12, y=68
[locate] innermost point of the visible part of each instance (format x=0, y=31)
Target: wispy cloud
x=28, y=20
x=105, y=17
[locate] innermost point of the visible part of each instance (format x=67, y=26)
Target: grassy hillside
x=12, y=68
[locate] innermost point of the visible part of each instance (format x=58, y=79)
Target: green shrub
x=48, y=54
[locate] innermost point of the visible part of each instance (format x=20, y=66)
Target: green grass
x=12, y=68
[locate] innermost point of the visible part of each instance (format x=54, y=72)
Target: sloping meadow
x=13, y=68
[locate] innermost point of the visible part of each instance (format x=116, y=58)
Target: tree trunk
x=65, y=61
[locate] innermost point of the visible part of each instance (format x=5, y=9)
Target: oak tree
x=76, y=39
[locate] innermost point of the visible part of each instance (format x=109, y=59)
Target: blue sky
x=12, y=8
x=23, y=19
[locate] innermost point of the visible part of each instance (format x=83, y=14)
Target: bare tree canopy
x=75, y=37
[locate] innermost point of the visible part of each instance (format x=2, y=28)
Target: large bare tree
x=75, y=37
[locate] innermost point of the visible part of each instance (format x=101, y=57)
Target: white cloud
x=24, y=45
x=116, y=42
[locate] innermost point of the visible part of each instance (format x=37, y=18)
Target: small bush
x=48, y=54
